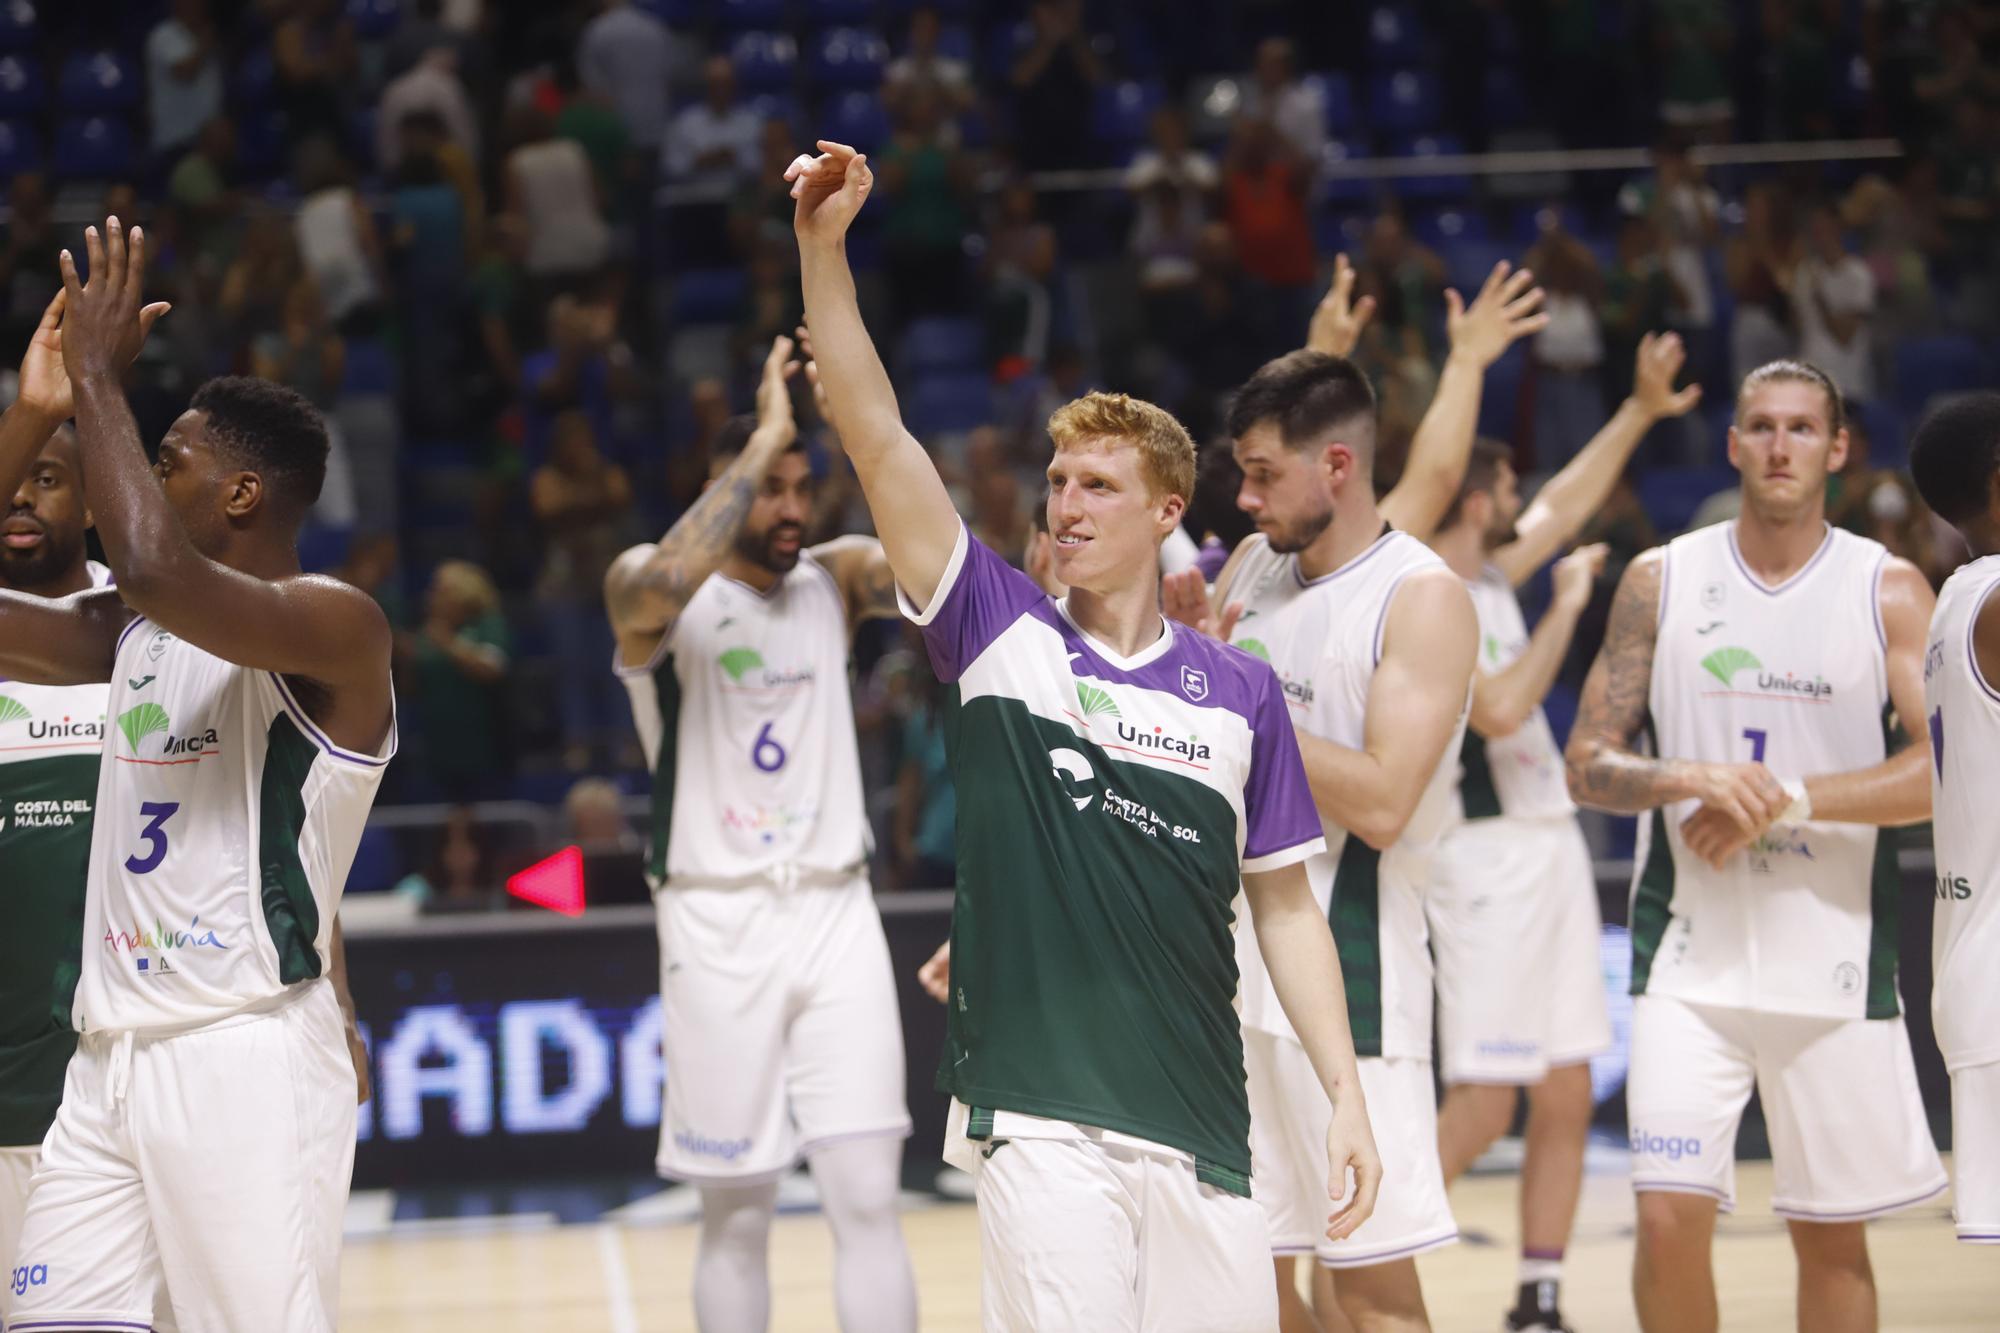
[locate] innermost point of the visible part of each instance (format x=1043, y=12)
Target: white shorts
x=1975, y=1152
x=218, y=1159
x=1076, y=1234
x=1849, y=1140
x=779, y=1028
x=17, y=1168
x=1514, y=927
x=1289, y=1114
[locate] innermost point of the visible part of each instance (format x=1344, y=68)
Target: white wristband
x=1800, y=810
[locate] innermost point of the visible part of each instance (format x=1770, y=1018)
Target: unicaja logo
x=1095, y=702
x=737, y=661
x=1724, y=663
x=1189, y=748
x=11, y=710
x=141, y=722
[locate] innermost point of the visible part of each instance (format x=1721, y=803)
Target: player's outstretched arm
x=1505, y=309
x=1299, y=953
x=913, y=512
x=648, y=586
x=1894, y=792
x=308, y=626
x=1605, y=772
x=1415, y=699
x=1563, y=505
x=1503, y=700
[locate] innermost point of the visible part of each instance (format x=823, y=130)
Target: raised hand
x=1575, y=575
x=1338, y=320
x=1184, y=598
x=829, y=190
x=1660, y=358
x=1505, y=309
x=104, y=322
x=45, y=386
x=774, y=393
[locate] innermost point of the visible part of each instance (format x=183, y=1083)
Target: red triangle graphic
x=556, y=883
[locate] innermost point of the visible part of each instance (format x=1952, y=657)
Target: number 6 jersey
x=748, y=726
x=226, y=823
x=1794, y=676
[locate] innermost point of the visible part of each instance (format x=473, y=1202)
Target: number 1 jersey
x=748, y=726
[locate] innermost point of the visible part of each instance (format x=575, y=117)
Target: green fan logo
x=1492, y=648
x=1254, y=647
x=737, y=661
x=1094, y=702
x=11, y=710
x=141, y=722
x=1724, y=663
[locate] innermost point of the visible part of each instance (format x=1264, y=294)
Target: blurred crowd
x=526, y=259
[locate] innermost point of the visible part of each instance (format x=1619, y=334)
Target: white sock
x=874, y=1290
x=732, y=1281
x=1540, y=1270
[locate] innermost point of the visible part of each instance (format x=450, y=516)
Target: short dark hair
x=1954, y=455
x=271, y=430
x=1482, y=470
x=1796, y=372
x=735, y=434
x=1307, y=394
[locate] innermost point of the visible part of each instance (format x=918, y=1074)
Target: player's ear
x=1734, y=461
x=1836, y=455
x=246, y=492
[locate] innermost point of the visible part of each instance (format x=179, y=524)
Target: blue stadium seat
x=1336, y=98
x=1506, y=100
x=950, y=9
x=764, y=61
x=254, y=81
x=859, y=119
x=954, y=42
x=741, y=15
x=676, y=13
x=93, y=148
x=20, y=148
x=1340, y=233
x=938, y=403
x=1395, y=37
x=374, y=19
x=1449, y=226
x=836, y=13
x=1405, y=101
x=709, y=295
x=99, y=81
x=18, y=26
x=943, y=343
x=1346, y=189
x=1467, y=262
x=1121, y=112
x=260, y=143
x=1532, y=221
x=1456, y=185
x=1888, y=434
x=22, y=91
x=1500, y=396
x=778, y=106
x=1005, y=44
x=1670, y=495
x=377, y=866
x=1929, y=367
x=849, y=58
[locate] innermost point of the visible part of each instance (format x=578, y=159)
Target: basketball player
x=207, y=1117
x=781, y=1031
x=1762, y=657
x=1513, y=903
x=1955, y=459
x=1117, y=779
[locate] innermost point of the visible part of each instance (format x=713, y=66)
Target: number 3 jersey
x=226, y=824
x=748, y=726
x=1794, y=676
x=1964, y=712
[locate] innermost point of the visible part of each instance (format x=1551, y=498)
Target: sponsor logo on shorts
x=30, y=1275
x=1847, y=979
x=1953, y=888
x=1511, y=1046
x=725, y=1150
x=1673, y=1147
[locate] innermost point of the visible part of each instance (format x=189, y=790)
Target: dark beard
x=762, y=552
x=1295, y=539
x=26, y=571
x=1497, y=536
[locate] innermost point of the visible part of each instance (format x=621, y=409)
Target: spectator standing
x=24, y=256
x=928, y=180
x=1273, y=93
x=313, y=48
x=1171, y=162
x=1264, y=188
x=304, y=353
x=1760, y=261
x=582, y=505
x=922, y=66
x=1569, y=351
x=1637, y=293
x=183, y=77
x=431, y=85
x=550, y=188
x=336, y=239
x=624, y=54
x=715, y=140
x=1693, y=40
x=761, y=213
x=255, y=284
x=203, y=201
x=1020, y=271
x=1687, y=211
x=457, y=667
x=574, y=370
x=1833, y=294
x=1053, y=81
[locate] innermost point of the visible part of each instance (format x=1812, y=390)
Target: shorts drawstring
x=118, y=1081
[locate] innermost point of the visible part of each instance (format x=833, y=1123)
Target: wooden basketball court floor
x=630, y=1272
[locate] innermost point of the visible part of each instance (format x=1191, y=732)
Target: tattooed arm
x=649, y=585
x=861, y=571
x=1605, y=772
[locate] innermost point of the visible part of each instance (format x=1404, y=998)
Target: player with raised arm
x=1762, y=659
x=778, y=1014
x=207, y=1120
x=1513, y=903
x=1955, y=459
x=1118, y=779
x=1373, y=639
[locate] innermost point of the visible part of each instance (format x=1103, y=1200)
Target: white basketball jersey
x=748, y=725
x=226, y=823
x=1964, y=720
x=1324, y=638
x=1794, y=676
x=1518, y=775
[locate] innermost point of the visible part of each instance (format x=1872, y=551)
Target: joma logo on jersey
x=1933, y=659
x=1187, y=748
x=1953, y=888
